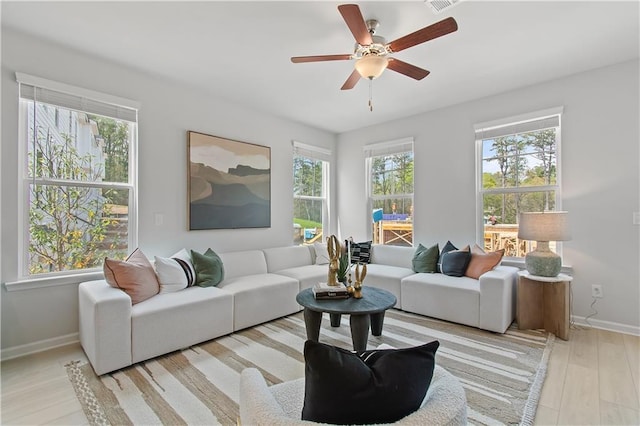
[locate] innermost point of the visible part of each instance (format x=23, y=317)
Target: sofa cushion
x=387, y=278
x=455, y=299
x=261, y=297
x=454, y=263
x=280, y=258
x=322, y=253
x=308, y=275
x=135, y=276
x=375, y=386
x=426, y=259
x=168, y=322
x=482, y=262
x=209, y=268
x=399, y=256
x=241, y=263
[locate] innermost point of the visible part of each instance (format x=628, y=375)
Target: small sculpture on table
x=333, y=247
x=360, y=274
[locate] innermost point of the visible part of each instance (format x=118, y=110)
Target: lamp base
x=542, y=261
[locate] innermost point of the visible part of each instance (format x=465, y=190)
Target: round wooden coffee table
x=364, y=313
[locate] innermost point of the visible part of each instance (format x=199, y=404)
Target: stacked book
x=325, y=291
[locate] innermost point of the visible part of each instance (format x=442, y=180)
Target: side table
x=544, y=302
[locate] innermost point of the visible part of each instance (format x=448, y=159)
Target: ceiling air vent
x=439, y=5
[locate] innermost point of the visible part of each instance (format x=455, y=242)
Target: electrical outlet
x=596, y=291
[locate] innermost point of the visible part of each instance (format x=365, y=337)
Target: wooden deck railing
x=505, y=236
x=393, y=232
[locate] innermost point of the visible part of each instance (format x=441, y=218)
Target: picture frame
x=229, y=183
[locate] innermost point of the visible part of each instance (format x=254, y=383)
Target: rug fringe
x=85, y=395
x=530, y=408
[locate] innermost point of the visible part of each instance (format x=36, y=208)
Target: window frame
x=318, y=154
x=513, y=125
x=96, y=103
x=381, y=149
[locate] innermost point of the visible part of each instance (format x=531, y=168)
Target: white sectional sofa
x=261, y=285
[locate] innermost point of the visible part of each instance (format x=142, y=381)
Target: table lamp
x=543, y=227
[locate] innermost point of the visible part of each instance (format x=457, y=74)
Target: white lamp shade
x=371, y=66
x=545, y=226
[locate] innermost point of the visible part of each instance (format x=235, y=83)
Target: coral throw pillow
x=135, y=276
x=482, y=262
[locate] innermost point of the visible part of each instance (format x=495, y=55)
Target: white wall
x=600, y=179
x=167, y=112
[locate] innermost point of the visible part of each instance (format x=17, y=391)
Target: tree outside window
x=391, y=193
x=309, y=199
x=77, y=186
x=519, y=173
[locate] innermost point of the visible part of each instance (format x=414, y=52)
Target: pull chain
x=371, y=94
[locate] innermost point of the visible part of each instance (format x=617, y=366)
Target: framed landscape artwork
x=229, y=183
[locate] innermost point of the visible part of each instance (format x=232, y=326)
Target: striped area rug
x=502, y=374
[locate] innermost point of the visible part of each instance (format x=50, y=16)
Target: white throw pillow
x=184, y=258
x=175, y=273
x=322, y=254
x=170, y=275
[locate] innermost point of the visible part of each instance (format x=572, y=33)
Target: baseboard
x=39, y=346
x=606, y=325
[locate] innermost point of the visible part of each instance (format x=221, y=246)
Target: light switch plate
x=636, y=218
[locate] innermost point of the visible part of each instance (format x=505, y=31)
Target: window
x=310, y=193
x=519, y=171
x=78, y=177
x=390, y=190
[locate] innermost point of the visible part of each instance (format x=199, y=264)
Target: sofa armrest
x=105, y=325
x=498, y=298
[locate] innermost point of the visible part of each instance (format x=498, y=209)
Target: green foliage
x=71, y=226
x=393, y=175
x=115, y=137
x=307, y=182
x=522, y=160
x=307, y=223
x=343, y=267
x=65, y=222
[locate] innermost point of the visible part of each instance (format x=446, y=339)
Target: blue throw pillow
x=447, y=248
x=455, y=262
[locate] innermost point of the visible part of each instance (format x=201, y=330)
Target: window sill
x=60, y=280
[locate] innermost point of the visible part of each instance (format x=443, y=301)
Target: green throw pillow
x=208, y=267
x=426, y=259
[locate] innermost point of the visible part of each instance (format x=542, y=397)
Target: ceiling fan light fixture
x=371, y=66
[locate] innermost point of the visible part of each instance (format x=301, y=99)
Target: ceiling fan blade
x=320, y=58
x=407, y=69
x=436, y=30
x=353, y=17
x=351, y=81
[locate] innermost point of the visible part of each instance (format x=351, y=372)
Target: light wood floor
x=594, y=378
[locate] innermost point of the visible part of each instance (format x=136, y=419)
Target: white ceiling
x=240, y=50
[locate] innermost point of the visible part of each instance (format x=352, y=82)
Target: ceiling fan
x=372, y=52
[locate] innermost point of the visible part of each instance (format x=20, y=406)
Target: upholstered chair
x=281, y=404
